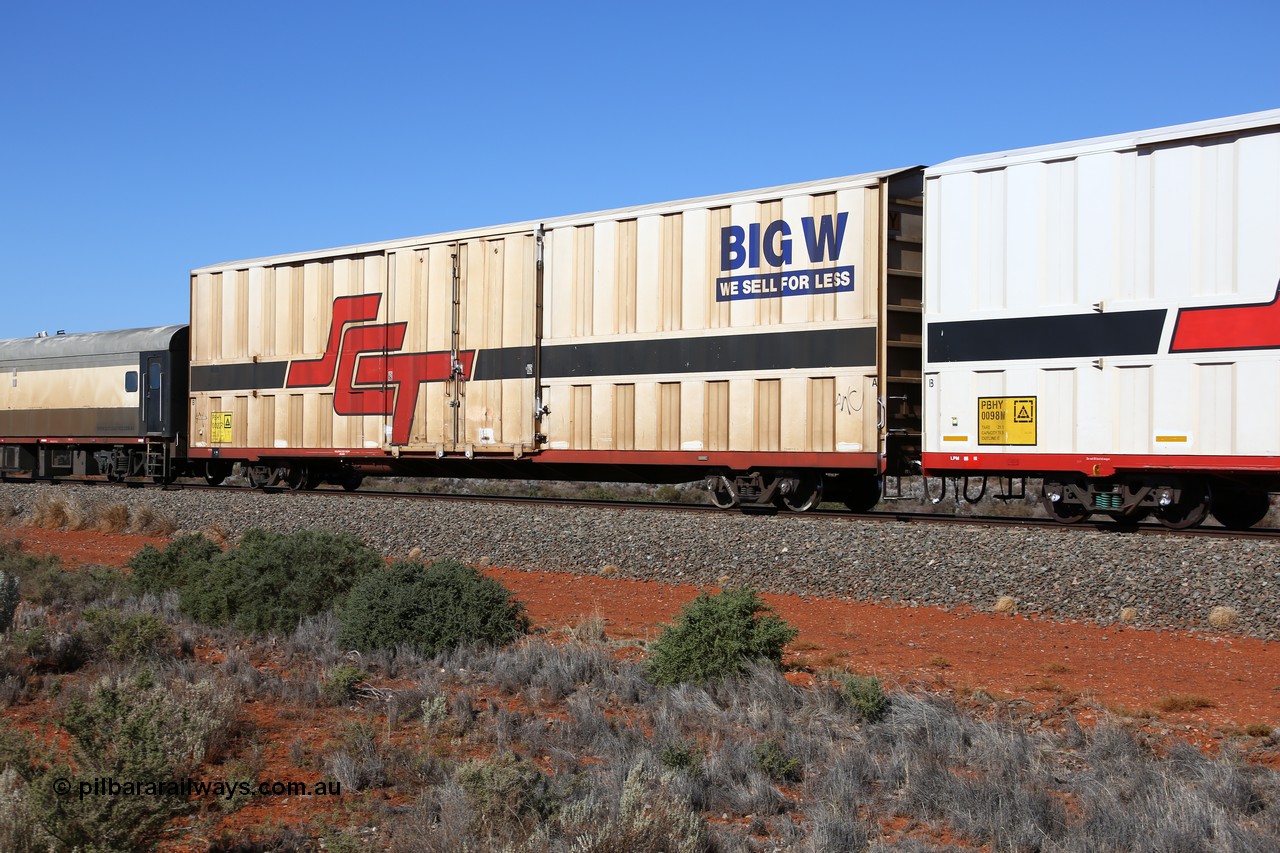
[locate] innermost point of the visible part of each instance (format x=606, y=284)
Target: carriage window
x=153, y=376
x=131, y=381
x=15, y=378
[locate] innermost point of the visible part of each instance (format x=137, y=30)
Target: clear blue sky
x=141, y=140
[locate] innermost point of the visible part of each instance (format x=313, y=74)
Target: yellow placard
x=1007, y=420
x=221, y=428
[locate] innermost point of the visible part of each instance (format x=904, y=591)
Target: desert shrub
x=649, y=816
x=717, y=636
x=680, y=755
x=42, y=580
x=52, y=649
x=124, y=729
x=435, y=711
x=430, y=609
x=341, y=682
x=181, y=562
x=8, y=600
x=775, y=763
x=20, y=832
x=506, y=790
x=270, y=581
x=122, y=637
x=864, y=694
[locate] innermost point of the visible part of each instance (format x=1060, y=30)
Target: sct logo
x=822, y=241
x=371, y=381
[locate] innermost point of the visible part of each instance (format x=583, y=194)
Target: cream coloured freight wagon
x=769, y=340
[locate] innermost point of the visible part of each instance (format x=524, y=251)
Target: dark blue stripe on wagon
x=1034, y=338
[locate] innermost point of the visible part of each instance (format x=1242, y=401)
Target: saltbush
x=181, y=562
x=341, y=682
x=42, y=580
x=271, y=581
x=430, y=609
x=125, y=637
x=864, y=694
x=718, y=636
x=127, y=729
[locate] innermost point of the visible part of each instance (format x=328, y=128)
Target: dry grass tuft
x=113, y=518
x=939, y=661
x=608, y=570
x=1184, y=702
x=151, y=522
x=1005, y=604
x=723, y=580
x=1056, y=668
x=1128, y=614
x=1258, y=730
x=48, y=512
x=589, y=630
x=415, y=553
x=7, y=512
x=1223, y=617
x=217, y=534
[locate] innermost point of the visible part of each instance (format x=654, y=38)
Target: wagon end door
x=154, y=368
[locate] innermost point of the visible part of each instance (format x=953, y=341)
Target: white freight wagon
x=1104, y=313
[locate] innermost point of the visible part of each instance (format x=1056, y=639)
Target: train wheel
x=260, y=476
x=1240, y=510
x=723, y=495
x=863, y=494
x=1059, y=510
x=1190, y=510
x=297, y=477
x=351, y=480
x=806, y=495
x=215, y=472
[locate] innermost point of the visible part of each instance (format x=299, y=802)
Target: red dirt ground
x=1128, y=671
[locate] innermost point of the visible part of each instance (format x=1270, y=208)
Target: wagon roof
x=1116, y=142
x=89, y=343
x=826, y=185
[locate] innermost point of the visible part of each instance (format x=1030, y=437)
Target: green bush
x=271, y=581
x=112, y=634
x=717, y=636
x=775, y=763
x=506, y=790
x=340, y=685
x=8, y=600
x=130, y=730
x=182, y=561
x=864, y=694
x=429, y=608
x=42, y=580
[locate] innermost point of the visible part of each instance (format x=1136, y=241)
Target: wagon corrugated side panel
x=746, y=323
x=1107, y=304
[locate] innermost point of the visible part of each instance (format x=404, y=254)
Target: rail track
x=902, y=516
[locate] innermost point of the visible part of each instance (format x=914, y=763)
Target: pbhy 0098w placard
x=1007, y=420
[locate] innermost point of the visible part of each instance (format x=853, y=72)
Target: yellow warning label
x=221, y=428
x=1007, y=420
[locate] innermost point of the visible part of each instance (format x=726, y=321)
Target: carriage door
x=492, y=390
x=154, y=392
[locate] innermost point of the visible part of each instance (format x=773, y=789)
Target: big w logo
x=370, y=379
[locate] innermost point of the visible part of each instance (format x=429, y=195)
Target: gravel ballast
x=1171, y=581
